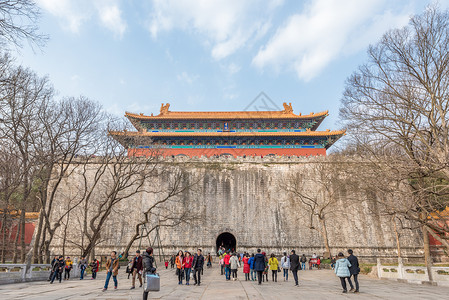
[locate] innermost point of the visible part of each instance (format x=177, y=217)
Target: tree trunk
x=92, y=254
x=398, y=243
x=427, y=256
x=65, y=235
x=22, y=235
x=16, y=239
x=38, y=238
x=3, y=233
x=325, y=237
x=130, y=243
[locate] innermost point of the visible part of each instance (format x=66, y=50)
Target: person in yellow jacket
x=68, y=268
x=274, y=266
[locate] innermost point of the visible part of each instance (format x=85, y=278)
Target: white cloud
x=71, y=13
x=111, y=17
x=225, y=25
x=326, y=29
x=74, y=13
x=233, y=68
x=187, y=78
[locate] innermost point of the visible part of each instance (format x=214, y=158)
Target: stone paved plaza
x=316, y=284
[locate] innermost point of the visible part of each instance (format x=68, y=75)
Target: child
x=166, y=264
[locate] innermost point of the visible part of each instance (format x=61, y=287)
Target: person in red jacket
x=227, y=265
x=136, y=269
x=246, y=267
x=188, y=260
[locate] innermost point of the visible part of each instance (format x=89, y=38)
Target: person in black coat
x=354, y=269
x=55, y=259
x=148, y=261
x=259, y=265
x=294, y=265
x=58, y=268
x=198, y=264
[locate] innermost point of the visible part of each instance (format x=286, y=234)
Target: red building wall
x=234, y=152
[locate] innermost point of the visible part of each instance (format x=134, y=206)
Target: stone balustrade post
x=400, y=268
x=23, y=272
x=379, y=268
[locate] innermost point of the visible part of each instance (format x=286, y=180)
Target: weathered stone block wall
x=247, y=199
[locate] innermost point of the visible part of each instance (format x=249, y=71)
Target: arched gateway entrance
x=227, y=240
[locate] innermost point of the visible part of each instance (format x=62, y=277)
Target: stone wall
x=246, y=198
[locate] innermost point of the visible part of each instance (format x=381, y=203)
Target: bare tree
x=169, y=208
x=22, y=94
x=70, y=128
x=18, y=22
x=396, y=106
x=318, y=190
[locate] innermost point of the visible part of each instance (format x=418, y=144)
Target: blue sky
x=210, y=55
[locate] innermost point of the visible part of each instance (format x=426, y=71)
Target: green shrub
x=366, y=269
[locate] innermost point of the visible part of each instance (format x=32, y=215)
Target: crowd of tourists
x=59, y=265
x=255, y=267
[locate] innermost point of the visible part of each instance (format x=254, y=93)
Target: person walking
x=172, y=261
x=94, y=266
x=294, y=265
x=58, y=268
x=180, y=266
x=333, y=261
x=68, y=268
x=188, y=262
x=226, y=260
x=234, y=264
x=129, y=267
x=198, y=264
x=246, y=268
x=209, y=260
x=274, y=266
x=303, y=261
x=221, y=264
x=251, y=267
x=285, y=264
x=267, y=267
x=354, y=269
x=259, y=265
x=83, y=267
x=148, y=262
x=112, y=271
x=55, y=260
x=342, y=270
x=136, y=269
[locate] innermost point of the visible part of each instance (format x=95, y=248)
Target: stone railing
x=413, y=274
x=14, y=273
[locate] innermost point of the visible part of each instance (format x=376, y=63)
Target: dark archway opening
x=227, y=240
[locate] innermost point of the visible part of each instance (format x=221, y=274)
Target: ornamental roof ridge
x=286, y=113
x=167, y=134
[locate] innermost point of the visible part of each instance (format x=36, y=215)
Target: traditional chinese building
x=236, y=133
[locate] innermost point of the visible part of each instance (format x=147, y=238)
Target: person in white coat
x=234, y=263
x=285, y=264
